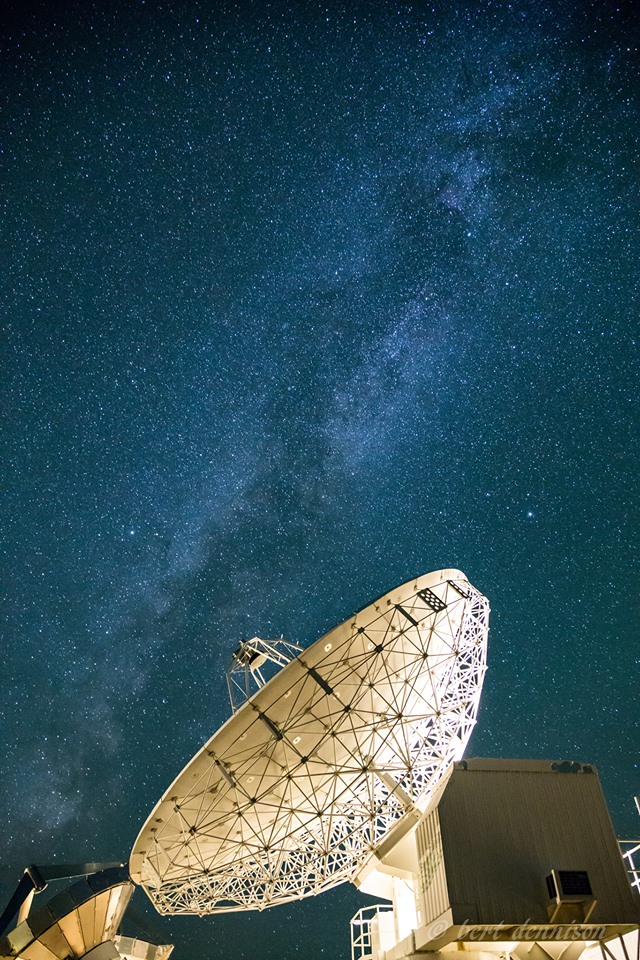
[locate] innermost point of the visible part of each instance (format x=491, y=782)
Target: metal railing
x=365, y=931
x=630, y=850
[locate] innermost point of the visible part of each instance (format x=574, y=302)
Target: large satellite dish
x=331, y=760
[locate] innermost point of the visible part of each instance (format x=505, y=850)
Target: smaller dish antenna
x=78, y=922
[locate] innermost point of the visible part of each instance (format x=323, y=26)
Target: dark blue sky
x=301, y=300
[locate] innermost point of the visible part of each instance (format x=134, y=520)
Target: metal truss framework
x=247, y=671
x=298, y=789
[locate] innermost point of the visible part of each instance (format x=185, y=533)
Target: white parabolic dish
x=331, y=758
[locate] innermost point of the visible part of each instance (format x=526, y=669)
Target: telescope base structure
x=373, y=938
x=517, y=859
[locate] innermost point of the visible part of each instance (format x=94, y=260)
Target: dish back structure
x=336, y=755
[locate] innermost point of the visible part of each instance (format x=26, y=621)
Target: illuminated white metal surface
x=132, y=948
x=297, y=791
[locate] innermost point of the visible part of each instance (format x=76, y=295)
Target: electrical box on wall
x=570, y=896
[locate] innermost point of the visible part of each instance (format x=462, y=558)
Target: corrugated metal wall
x=433, y=893
x=503, y=826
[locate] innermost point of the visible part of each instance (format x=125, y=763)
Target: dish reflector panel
x=337, y=753
x=79, y=921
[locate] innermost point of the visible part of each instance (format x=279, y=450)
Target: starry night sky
x=302, y=300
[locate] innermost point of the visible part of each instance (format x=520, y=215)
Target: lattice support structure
x=297, y=790
x=253, y=664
